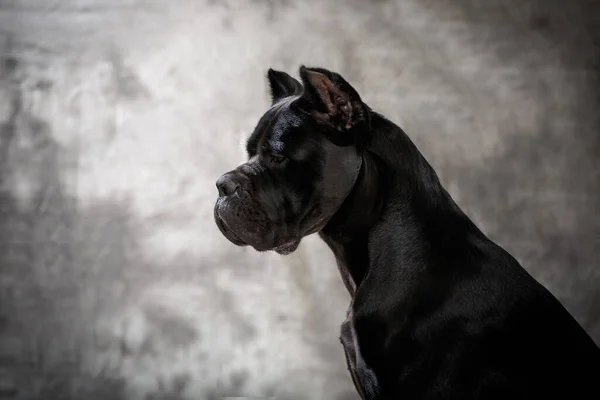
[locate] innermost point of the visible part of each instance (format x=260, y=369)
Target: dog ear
x=334, y=101
x=282, y=85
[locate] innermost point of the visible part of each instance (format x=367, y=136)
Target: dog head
x=304, y=158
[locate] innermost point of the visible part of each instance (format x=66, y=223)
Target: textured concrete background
x=117, y=116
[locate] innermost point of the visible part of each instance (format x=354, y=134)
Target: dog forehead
x=277, y=123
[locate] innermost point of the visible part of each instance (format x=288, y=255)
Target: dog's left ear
x=282, y=85
x=334, y=101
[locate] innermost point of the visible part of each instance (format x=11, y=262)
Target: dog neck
x=397, y=207
x=347, y=232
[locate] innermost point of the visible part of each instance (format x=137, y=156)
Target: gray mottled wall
x=116, y=117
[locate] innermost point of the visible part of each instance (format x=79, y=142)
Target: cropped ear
x=282, y=85
x=334, y=101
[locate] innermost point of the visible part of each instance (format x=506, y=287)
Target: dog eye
x=276, y=158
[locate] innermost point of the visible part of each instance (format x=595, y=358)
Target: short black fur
x=438, y=310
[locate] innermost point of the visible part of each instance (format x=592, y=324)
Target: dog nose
x=227, y=185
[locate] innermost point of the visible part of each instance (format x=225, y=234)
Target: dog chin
x=287, y=248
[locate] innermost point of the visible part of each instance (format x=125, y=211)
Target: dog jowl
x=302, y=163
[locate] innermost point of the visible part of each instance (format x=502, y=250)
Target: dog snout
x=227, y=185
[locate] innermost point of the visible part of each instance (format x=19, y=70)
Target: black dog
x=438, y=310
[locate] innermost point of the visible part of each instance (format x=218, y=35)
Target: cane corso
x=438, y=310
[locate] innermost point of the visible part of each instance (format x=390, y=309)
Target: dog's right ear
x=335, y=104
x=282, y=85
